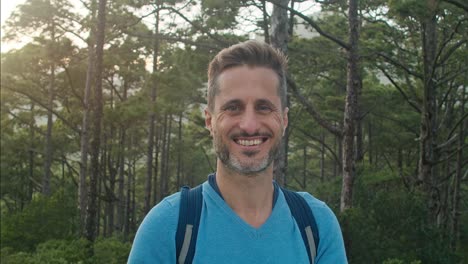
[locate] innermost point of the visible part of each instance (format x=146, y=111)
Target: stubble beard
x=248, y=168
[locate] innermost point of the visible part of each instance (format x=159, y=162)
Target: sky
x=7, y=7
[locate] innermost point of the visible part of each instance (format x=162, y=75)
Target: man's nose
x=249, y=122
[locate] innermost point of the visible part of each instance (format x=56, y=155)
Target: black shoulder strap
x=305, y=219
x=191, y=201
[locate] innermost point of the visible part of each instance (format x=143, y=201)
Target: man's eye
x=264, y=108
x=232, y=108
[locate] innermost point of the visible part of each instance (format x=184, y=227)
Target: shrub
x=111, y=250
x=45, y=218
x=62, y=251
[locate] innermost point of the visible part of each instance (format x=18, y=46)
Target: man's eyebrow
x=265, y=101
x=232, y=102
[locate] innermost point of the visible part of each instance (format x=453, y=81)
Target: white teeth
x=249, y=142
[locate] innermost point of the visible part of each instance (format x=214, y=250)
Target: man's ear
x=285, y=119
x=208, y=119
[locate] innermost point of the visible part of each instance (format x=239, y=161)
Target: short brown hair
x=250, y=53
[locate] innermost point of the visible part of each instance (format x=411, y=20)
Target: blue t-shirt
x=224, y=237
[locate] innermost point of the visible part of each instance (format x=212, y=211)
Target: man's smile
x=250, y=141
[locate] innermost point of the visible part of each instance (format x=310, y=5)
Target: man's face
x=247, y=120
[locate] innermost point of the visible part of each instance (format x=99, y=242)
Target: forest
x=102, y=116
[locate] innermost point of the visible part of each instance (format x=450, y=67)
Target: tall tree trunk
x=371, y=141
x=121, y=173
x=322, y=156
x=266, y=32
x=128, y=211
x=359, y=139
x=168, y=151
x=30, y=181
x=157, y=193
x=91, y=218
x=48, y=136
x=152, y=117
x=336, y=148
x=162, y=174
x=101, y=182
x=50, y=104
x=291, y=21
x=279, y=37
x=133, y=205
x=179, y=151
x=110, y=193
x=428, y=109
x=82, y=187
x=121, y=181
x=304, y=168
x=351, y=105
x=456, y=213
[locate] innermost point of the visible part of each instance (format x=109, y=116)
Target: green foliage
x=221, y=14
x=389, y=224
x=108, y=250
x=62, y=251
x=9, y=255
x=399, y=261
x=111, y=250
x=43, y=219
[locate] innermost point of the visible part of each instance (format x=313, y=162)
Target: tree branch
x=312, y=111
x=457, y=4
x=305, y=133
x=410, y=102
x=59, y=116
x=35, y=128
x=399, y=64
x=201, y=29
x=312, y=23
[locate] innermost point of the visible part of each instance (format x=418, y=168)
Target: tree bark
x=112, y=168
x=428, y=109
x=157, y=193
x=351, y=108
x=359, y=139
x=91, y=218
x=322, y=156
x=266, y=32
x=179, y=151
x=162, y=174
x=456, y=213
x=279, y=37
x=168, y=151
x=152, y=118
x=370, y=142
x=121, y=173
x=84, y=140
x=128, y=212
x=48, y=137
x=30, y=185
x=304, y=167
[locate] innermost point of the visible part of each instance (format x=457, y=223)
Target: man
x=244, y=218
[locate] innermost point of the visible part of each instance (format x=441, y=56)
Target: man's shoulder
x=157, y=231
x=166, y=211
x=312, y=200
x=319, y=208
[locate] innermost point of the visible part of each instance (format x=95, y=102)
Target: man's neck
x=250, y=196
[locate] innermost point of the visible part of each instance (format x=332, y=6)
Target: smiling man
x=243, y=216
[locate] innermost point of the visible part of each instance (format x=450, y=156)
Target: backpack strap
x=191, y=201
x=305, y=220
